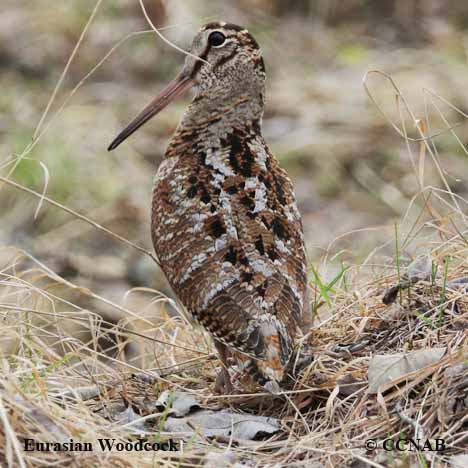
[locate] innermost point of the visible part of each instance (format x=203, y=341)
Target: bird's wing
x=243, y=272
x=270, y=257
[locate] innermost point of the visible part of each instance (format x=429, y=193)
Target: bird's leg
x=223, y=380
x=302, y=358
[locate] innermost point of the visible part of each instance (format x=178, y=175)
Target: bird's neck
x=220, y=113
x=212, y=117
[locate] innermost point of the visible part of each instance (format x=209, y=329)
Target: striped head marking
x=232, y=60
x=222, y=43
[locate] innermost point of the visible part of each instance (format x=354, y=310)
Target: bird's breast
x=225, y=216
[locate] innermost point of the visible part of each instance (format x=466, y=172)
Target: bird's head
x=226, y=69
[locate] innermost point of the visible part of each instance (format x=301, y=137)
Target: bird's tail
x=276, y=347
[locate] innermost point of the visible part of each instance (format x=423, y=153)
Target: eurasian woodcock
x=224, y=222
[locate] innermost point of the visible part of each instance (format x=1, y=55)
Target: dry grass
x=66, y=375
x=67, y=372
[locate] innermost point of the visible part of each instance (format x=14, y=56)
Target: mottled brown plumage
x=225, y=224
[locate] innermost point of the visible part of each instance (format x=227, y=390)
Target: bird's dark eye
x=216, y=39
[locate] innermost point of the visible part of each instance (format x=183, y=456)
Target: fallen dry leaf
x=461, y=283
x=386, y=368
x=419, y=269
x=225, y=423
x=180, y=403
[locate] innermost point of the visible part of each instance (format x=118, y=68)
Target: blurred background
x=354, y=175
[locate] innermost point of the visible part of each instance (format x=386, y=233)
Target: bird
x=224, y=219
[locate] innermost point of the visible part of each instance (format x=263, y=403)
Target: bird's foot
x=302, y=363
x=298, y=364
x=223, y=384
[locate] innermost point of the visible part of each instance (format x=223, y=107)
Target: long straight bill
x=176, y=87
